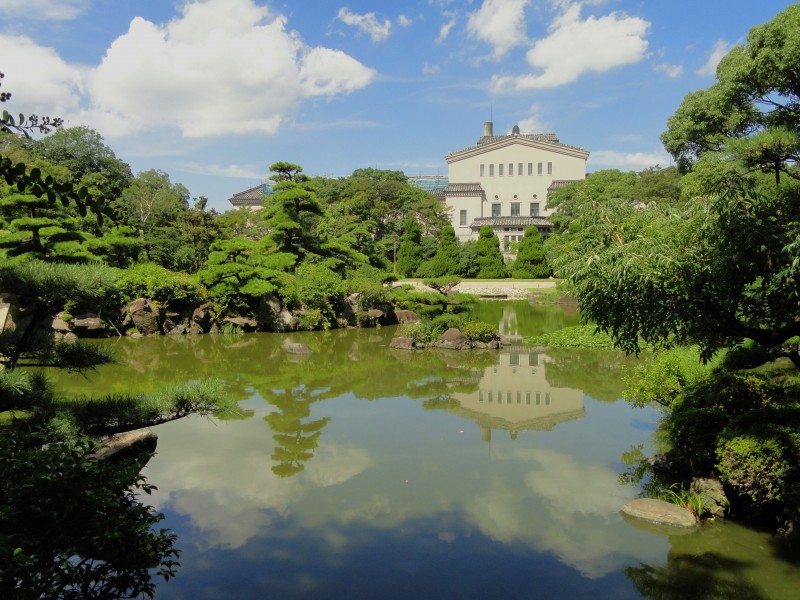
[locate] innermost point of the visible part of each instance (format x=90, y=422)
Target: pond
x=366, y=472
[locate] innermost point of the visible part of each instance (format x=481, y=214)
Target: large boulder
x=453, y=339
x=88, y=325
x=128, y=445
x=145, y=316
x=269, y=310
x=406, y=316
x=402, y=343
x=201, y=318
x=286, y=321
x=246, y=324
x=659, y=512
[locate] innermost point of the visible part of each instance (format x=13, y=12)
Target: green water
x=365, y=472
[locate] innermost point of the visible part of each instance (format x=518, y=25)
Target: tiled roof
x=557, y=184
x=549, y=138
x=510, y=222
x=252, y=197
x=463, y=189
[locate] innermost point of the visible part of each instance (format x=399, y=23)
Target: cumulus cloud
x=403, y=21
x=43, y=10
x=720, y=49
x=367, y=24
x=624, y=161
x=669, y=70
x=575, y=46
x=533, y=123
x=500, y=23
x=39, y=81
x=220, y=67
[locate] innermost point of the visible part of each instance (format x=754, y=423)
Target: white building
x=503, y=181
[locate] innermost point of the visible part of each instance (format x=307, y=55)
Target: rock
x=660, y=463
x=269, y=308
x=402, y=343
x=453, y=339
x=659, y=512
x=127, y=445
x=710, y=490
x=58, y=324
x=194, y=329
x=201, y=317
x=491, y=345
x=69, y=337
x=145, y=315
x=88, y=325
x=406, y=316
x=244, y=323
x=177, y=330
x=286, y=321
x=297, y=348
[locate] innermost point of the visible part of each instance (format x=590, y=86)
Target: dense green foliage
x=530, y=262
x=447, y=258
x=488, y=257
x=72, y=527
x=409, y=254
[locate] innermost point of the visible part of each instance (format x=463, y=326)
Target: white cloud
x=39, y=81
x=43, y=10
x=500, y=23
x=575, y=46
x=367, y=23
x=403, y=21
x=429, y=69
x=215, y=170
x=445, y=29
x=220, y=67
x=533, y=123
x=669, y=70
x=720, y=49
x=625, y=161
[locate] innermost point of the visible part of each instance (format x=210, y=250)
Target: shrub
x=759, y=456
x=422, y=333
x=317, y=287
x=477, y=331
x=153, y=281
x=664, y=378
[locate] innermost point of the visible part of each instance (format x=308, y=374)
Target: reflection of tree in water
x=296, y=439
x=696, y=576
x=599, y=373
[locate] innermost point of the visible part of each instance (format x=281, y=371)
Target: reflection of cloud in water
x=568, y=510
x=224, y=483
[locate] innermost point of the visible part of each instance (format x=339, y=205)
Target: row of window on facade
x=520, y=171
x=507, y=396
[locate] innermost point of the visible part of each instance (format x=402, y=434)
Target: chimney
x=487, y=129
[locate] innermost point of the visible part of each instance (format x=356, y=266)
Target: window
x=534, y=209
x=462, y=218
x=491, y=170
x=495, y=209
x=510, y=169
x=549, y=168
x=500, y=170
x=540, y=168
x=530, y=168
x=519, y=169
x=515, y=209
x=482, y=170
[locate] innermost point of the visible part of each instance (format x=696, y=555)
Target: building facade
x=503, y=181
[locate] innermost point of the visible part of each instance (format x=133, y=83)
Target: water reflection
x=342, y=484
x=514, y=394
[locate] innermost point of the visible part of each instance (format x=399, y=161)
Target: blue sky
x=214, y=91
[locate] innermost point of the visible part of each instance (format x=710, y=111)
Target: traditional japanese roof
x=510, y=222
x=463, y=189
x=252, y=197
x=560, y=183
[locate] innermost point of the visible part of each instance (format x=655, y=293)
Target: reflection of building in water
x=509, y=325
x=515, y=395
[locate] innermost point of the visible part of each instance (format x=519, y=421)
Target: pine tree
x=490, y=260
x=409, y=255
x=531, y=262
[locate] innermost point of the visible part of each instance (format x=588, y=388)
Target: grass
x=578, y=336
